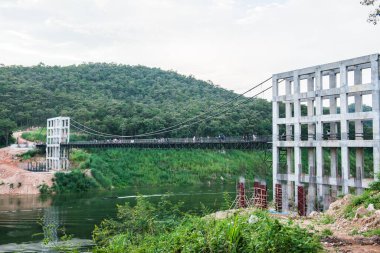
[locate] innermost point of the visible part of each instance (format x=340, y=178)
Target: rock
x=253, y=219
x=313, y=214
x=361, y=212
x=371, y=208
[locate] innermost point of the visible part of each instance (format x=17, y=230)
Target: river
x=21, y=216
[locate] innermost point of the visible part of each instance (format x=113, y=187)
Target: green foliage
x=74, y=181
x=326, y=232
x=373, y=232
x=80, y=159
x=44, y=189
x=144, y=218
x=227, y=201
x=327, y=219
x=138, y=229
x=6, y=127
x=30, y=153
x=122, y=99
x=38, y=135
x=121, y=168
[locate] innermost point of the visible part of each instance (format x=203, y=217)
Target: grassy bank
x=129, y=167
x=163, y=228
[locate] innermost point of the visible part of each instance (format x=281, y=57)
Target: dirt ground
x=15, y=180
x=343, y=238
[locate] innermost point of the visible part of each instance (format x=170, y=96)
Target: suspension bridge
x=316, y=131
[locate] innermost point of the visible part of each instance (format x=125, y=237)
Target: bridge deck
x=174, y=143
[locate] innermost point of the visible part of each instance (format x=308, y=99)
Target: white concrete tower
x=57, y=133
x=321, y=110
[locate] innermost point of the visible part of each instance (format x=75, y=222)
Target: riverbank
x=14, y=179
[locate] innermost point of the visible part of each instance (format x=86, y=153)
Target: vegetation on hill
x=122, y=99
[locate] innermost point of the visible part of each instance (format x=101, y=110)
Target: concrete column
x=358, y=134
x=333, y=132
x=311, y=151
x=275, y=116
x=288, y=188
x=376, y=109
x=297, y=134
x=318, y=132
x=344, y=128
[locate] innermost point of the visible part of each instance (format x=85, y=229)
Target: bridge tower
x=319, y=119
x=57, y=133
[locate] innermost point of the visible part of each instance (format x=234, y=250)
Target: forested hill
x=123, y=99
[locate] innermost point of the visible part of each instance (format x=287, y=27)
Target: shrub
x=143, y=229
x=326, y=232
x=75, y=181
x=44, y=189
x=327, y=219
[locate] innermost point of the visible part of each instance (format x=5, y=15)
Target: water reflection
x=22, y=217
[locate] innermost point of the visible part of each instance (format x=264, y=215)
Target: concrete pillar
x=344, y=129
x=288, y=188
x=297, y=134
x=376, y=109
x=359, y=134
x=275, y=116
x=333, y=134
x=319, y=131
x=311, y=151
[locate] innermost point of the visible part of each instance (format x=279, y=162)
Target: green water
x=79, y=213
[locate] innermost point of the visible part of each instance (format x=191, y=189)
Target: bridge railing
x=221, y=139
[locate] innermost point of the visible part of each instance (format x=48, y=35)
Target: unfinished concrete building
x=57, y=132
x=326, y=122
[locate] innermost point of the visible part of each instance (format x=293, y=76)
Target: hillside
x=123, y=99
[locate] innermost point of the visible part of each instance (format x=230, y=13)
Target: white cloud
x=234, y=43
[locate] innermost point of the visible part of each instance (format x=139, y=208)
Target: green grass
x=373, y=232
x=163, y=228
x=30, y=153
x=129, y=167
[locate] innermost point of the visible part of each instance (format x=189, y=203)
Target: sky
x=233, y=43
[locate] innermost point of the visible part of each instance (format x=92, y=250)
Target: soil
x=14, y=179
x=344, y=238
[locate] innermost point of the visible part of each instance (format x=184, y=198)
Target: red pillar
x=301, y=201
x=242, y=202
x=278, y=196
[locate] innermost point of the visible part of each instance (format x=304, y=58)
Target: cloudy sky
x=233, y=43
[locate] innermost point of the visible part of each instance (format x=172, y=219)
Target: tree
x=373, y=17
x=6, y=127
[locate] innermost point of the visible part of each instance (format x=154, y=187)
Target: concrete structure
x=312, y=120
x=57, y=133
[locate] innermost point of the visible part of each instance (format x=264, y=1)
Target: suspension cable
x=170, y=130
x=164, y=130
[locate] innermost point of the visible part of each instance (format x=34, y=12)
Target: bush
x=326, y=232
x=31, y=153
x=75, y=181
x=143, y=229
x=44, y=189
